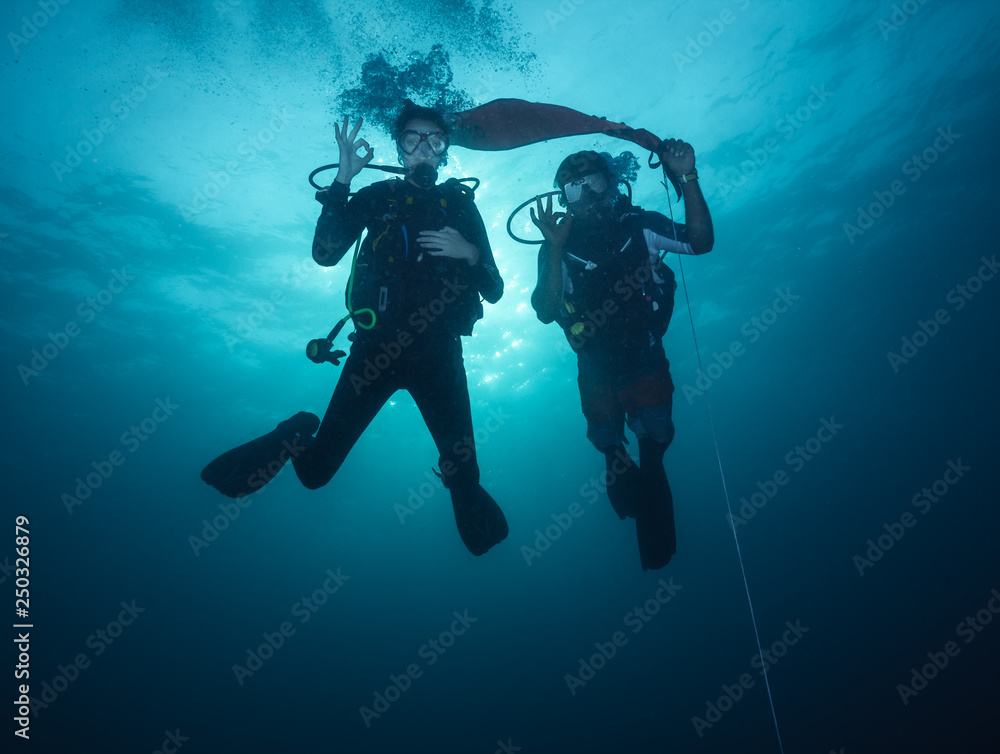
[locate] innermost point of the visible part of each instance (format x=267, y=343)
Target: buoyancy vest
x=615, y=300
x=406, y=287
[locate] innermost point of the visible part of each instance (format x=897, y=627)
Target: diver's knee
x=608, y=450
x=651, y=451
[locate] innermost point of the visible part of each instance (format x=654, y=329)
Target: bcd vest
x=616, y=301
x=406, y=287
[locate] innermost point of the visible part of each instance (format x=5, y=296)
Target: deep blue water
x=158, y=292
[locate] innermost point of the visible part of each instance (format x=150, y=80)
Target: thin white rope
x=725, y=489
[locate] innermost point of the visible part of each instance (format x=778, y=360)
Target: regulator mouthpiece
x=321, y=350
x=424, y=175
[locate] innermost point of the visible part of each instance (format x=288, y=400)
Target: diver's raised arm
x=679, y=157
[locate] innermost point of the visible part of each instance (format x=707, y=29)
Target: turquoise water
x=158, y=293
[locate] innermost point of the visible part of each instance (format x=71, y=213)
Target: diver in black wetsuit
x=600, y=276
x=415, y=289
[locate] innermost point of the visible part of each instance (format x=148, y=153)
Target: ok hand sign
x=351, y=162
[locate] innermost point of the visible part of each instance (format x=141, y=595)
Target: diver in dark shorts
x=601, y=278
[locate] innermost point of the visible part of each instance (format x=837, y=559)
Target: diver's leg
x=244, y=470
x=440, y=389
x=623, y=481
x=606, y=430
x=649, y=416
x=355, y=402
x=654, y=523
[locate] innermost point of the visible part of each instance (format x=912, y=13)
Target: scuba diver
x=601, y=276
x=414, y=290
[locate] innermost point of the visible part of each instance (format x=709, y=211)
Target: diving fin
x=244, y=470
x=624, y=485
x=481, y=523
x=654, y=521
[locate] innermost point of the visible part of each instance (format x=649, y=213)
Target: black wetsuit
x=616, y=303
x=419, y=305
x=615, y=307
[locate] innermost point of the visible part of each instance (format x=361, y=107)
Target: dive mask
x=574, y=189
x=409, y=141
